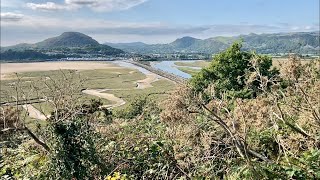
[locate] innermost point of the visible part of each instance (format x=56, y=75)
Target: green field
x=160, y=90
x=120, y=81
x=201, y=64
x=189, y=70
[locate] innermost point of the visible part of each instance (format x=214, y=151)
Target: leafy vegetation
x=197, y=133
x=27, y=55
x=229, y=73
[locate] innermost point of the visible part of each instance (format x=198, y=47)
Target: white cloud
x=49, y=6
x=82, y=2
x=114, y=5
x=11, y=17
x=96, y=5
x=18, y=28
x=307, y=27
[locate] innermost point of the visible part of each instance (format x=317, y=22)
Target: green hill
x=67, y=39
x=300, y=42
x=68, y=44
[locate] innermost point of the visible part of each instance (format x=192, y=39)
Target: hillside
x=65, y=40
x=68, y=39
x=300, y=42
x=68, y=44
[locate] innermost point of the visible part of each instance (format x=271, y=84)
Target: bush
x=229, y=71
x=137, y=107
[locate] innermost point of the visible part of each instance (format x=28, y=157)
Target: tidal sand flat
x=10, y=68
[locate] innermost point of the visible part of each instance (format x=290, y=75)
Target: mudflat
x=7, y=68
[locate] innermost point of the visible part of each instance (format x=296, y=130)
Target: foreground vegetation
x=238, y=118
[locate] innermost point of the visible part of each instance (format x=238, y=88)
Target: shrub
x=229, y=71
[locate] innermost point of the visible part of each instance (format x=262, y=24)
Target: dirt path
x=33, y=112
x=108, y=96
x=141, y=84
x=146, y=83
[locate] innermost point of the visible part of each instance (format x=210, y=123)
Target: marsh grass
x=121, y=82
x=193, y=64
x=189, y=70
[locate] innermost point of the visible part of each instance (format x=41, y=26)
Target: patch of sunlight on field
x=198, y=63
x=105, y=79
x=189, y=70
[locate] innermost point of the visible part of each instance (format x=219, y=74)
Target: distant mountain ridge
x=299, y=42
x=67, y=45
x=68, y=39
x=65, y=40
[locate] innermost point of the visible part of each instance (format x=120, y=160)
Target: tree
x=230, y=70
x=73, y=143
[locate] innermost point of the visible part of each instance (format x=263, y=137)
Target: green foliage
x=143, y=152
x=229, y=71
x=137, y=106
x=25, y=160
x=73, y=142
x=73, y=151
x=27, y=55
x=264, y=142
x=305, y=166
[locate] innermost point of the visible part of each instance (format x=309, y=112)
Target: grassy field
x=201, y=64
x=159, y=91
x=121, y=82
x=189, y=70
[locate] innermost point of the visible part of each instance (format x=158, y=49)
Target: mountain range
x=299, y=42
x=77, y=43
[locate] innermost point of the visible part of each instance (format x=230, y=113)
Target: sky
x=153, y=21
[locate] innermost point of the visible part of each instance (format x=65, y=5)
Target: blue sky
x=153, y=21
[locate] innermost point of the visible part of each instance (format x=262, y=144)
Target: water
x=170, y=67
x=166, y=66
x=129, y=65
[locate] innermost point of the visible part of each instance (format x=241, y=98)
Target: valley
x=159, y=90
